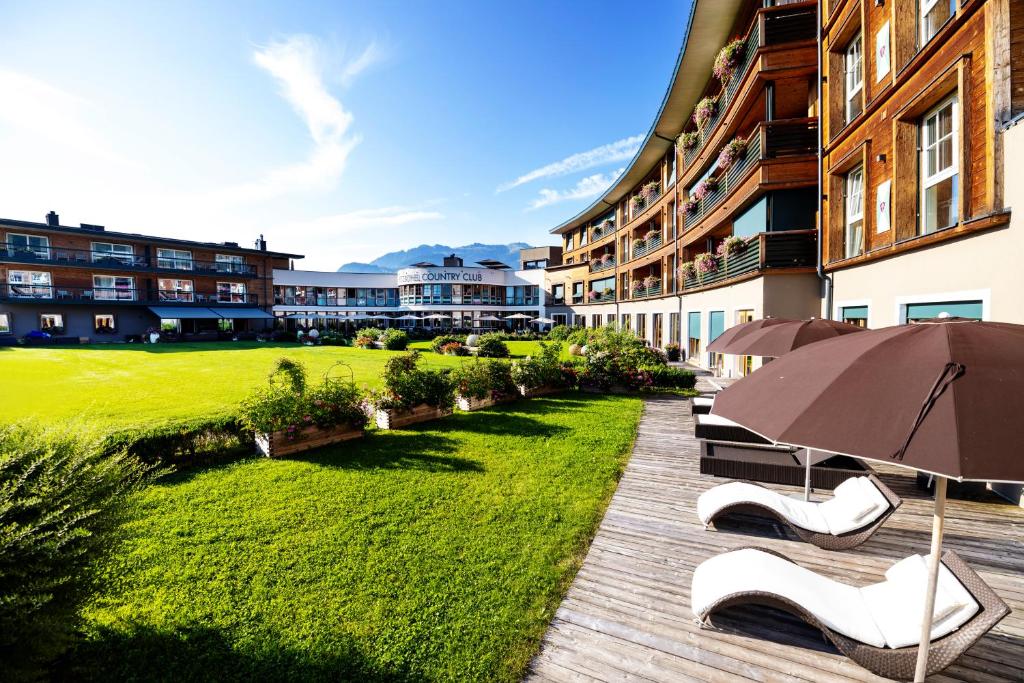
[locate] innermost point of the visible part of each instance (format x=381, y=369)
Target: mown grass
x=436, y=553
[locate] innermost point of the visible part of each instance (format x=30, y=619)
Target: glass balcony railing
x=644, y=292
x=646, y=246
x=788, y=249
x=597, y=264
x=60, y=256
x=119, y=295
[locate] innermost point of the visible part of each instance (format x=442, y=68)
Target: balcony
x=647, y=246
x=644, y=292
x=771, y=250
x=595, y=297
x=118, y=295
x=771, y=140
x=597, y=265
x=102, y=260
x=771, y=27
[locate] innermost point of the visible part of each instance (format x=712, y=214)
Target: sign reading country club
x=455, y=276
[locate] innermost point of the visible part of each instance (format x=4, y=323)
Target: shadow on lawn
x=206, y=654
x=396, y=450
x=503, y=423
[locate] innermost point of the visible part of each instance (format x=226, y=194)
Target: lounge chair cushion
x=717, y=420
x=837, y=605
x=702, y=401
x=855, y=504
x=897, y=604
x=799, y=512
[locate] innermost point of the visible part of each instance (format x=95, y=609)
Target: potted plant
x=651, y=234
x=651, y=281
x=593, y=296
x=607, y=225
x=690, y=207
x=687, y=141
x=728, y=60
x=650, y=191
x=540, y=374
x=705, y=110
x=482, y=384
x=687, y=271
x=672, y=351
x=638, y=201
x=706, y=264
x=638, y=288
x=731, y=246
x=733, y=151
x=606, y=259
x=704, y=188
x=410, y=394
x=288, y=416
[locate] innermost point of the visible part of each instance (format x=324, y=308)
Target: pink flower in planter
x=731, y=153
x=704, y=188
x=690, y=206
x=706, y=263
x=705, y=110
x=728, y=60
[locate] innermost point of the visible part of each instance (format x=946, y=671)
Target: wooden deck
x=627, y=614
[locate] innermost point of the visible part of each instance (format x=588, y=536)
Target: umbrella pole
x=938, y=521
x=807, y=475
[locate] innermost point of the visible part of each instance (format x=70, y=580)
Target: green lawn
x=437, y=553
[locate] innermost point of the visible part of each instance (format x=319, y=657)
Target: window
x=934, y=14
x=105, y=251
x=231, y=292
x=51, y=323
x=226, y=325
x=673, y=328
x=229, y=263
x=745, y=363
x=30, y=284
x=624, y=322
x=854, y=229
x=853, y=64
x=170, y=325
x=174, y=290
x=939, y=177
x=656, y=329
x=583, y=235
x=174, y=259
x=958, y=309
x=855, y=315
x=693, y=334
x=577, y=292
x=641, y=325
x=113, y=287
x=609, y=319
x=103, y=323
x=29, y=245
x=595, y=321
x=579, y=321
x=716, y=326
x=5, y=323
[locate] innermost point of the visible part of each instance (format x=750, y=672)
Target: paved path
x=627, y=614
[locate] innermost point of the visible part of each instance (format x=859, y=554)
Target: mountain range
x=435, y=253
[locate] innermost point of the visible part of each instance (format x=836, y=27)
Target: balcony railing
x=636, y=210
x=647, y=247
x=643, y=292
x=771, y=140
x=601, y=297
x=60, y=256
x=596, y=265
x=118, y=295
x=770, y=27
x=791, y=249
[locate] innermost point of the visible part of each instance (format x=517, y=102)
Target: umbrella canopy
x=408, y=316
x=778, y=336
x=489, y=317
x=724, y=342
x=380, y=317
x=943, y=396
x=543, y=321
x=437, y=316
x=517, y=316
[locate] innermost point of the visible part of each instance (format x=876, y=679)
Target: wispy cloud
x=297, y=65
x=373, y=54
x=363, y=219
x=590, y=186
x=620, y=150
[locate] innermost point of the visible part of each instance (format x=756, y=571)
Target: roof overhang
x=707, y=30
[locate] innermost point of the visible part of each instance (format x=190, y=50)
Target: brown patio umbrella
x=779, y=336
x=724, y=342
x=944, y=396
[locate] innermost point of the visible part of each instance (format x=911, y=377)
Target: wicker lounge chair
x=874, y=625
x=716, y=428
x=702, y=405
x=859, y=506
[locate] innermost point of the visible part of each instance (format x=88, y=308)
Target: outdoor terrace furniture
x=774, y=464
x=859, y=506
x=702, y=405
x=717, y=428
x=877, y=626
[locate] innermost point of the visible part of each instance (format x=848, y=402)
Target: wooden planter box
x=538, y=391
x=470, y=404
x=278, y=444
x=395, y=419
x=614, y=389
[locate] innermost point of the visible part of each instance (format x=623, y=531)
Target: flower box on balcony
x=395, y=418
x=278, y=444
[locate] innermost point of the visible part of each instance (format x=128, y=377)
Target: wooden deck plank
x=627, y=615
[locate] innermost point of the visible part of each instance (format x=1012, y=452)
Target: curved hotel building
x=812, y=159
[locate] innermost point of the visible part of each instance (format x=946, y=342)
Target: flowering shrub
x=372, y=332
x=731, y=246
x=688, y=271
x=363, y=342
x=484, y=379
x=443, y=340
x=704, y=188
x=706, y=263
x=606, y=225
x=705, y=110
x=690, y=206
x=592, y=295
x=288, y=405
x=638, y=287
x=639, y=243
x=731, y=153
x=606, y=259
x=728, y=60
x=672, y=351
x=619, y=358
x=638, y=202
x=395, y=340
x=651, y=234
x=650, y=190
x=687, y=140
x=453, y=349
x=542, y=370
x=491, y=345
x=651, y=281
x=407, y=386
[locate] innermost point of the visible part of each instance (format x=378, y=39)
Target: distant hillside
x=435, y=253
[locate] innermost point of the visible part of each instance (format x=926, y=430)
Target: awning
x=183, y=312
x=242, y=313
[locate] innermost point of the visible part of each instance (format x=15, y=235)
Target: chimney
x=452, y=261
x=261, y=243
x=52, y=219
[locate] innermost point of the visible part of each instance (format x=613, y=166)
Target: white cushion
x=854, y=505
x=897, y=604
x=837, y=605
x=799, y=512
x=718, y=420
x=702, y=401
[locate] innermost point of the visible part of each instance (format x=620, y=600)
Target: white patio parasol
x=517, y=316
x=408, y=316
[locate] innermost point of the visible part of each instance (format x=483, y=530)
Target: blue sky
x=341, y=130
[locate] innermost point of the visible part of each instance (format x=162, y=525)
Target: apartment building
x=89, y=283
x=714, y=221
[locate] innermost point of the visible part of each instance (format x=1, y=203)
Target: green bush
x=364, y=342
x=406, y=385
x=194, y=442
x=559, y=333
x=61, y=498
x=445, y=339
x=484, y=379
x=672, y=352
x=579, y=336
x=671, y=378
x=373, y=333
x=491, y=346
x=332, y=339
x=541, y=370
x=395, y=340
